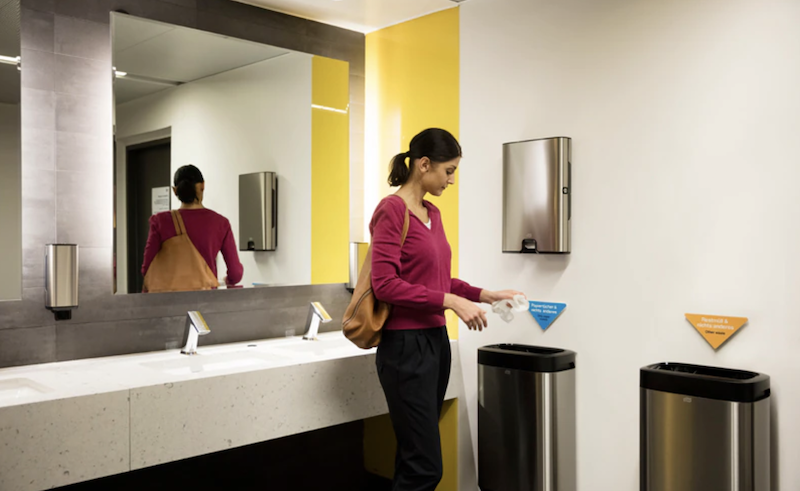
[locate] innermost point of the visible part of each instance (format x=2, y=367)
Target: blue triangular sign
x=546, y=313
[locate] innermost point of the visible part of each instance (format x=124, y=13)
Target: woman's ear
x=424, y=164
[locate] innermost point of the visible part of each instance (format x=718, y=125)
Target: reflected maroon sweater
x=210, y=233
x=413, y=279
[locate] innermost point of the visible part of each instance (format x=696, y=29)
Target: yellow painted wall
x=330, y=170
x=412, y=83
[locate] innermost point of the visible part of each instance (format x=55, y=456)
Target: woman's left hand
x=494, y=296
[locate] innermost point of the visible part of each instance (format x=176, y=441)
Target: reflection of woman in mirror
x=413, y=358
x=209, y=232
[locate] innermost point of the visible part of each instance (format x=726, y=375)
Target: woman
x=209, y=231
x=413, y=359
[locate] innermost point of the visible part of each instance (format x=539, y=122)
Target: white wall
x=684, y=117
x=10, y=204
x=252, y=119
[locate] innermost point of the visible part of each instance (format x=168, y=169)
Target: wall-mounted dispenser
x=61, y=279
x=258, y=211
x=537, y=196
x=358, y=253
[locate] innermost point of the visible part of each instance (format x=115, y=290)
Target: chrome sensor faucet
x=316, y=315
x=195, y=326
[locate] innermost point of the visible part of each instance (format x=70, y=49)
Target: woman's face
x=437, y=176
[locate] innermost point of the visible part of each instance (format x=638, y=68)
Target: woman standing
x=209, y=232
x=413, y=359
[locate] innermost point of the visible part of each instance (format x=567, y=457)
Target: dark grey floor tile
x=233, y=327
x=28, y=312
x=27, y=346
x=77, y=341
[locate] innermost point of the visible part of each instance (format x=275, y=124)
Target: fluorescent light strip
x=332, y=109
x=149, y=80
x=10, y=60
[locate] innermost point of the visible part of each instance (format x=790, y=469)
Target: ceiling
x=149, y=50
x=9, y=46
x=357, y=15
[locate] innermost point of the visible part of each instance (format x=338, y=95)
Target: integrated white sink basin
x=330, y=346
x=18, y=388
x=213, y=362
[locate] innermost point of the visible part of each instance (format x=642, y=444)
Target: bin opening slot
x=538, y=350
x=706, y=371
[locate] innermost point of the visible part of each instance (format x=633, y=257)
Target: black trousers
x=414, y=368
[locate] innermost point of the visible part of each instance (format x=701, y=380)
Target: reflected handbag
x=365, y=316
x=178, y=266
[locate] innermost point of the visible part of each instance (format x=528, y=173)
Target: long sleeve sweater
x=210, y=233
x=414, y=278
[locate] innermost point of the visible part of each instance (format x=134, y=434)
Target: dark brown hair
x=185, y=179
x=435, y=143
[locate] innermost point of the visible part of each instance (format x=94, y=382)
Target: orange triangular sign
x=716, y=329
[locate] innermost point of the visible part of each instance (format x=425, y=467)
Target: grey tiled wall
x=67, y=193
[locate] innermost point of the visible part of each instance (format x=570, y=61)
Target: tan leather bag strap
x=177, y=219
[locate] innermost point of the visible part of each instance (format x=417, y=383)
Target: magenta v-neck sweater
x=414, y=279
x=210, y=233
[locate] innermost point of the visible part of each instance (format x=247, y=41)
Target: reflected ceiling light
x=10, y=60
x=142, y=78
x=332, y=109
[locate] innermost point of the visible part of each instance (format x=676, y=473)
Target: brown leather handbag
x=178, y=266
x=365, y=316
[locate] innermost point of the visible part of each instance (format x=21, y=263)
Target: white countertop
x=51, y=381
x=66, y=422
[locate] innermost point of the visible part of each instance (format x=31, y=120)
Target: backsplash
x=67, y=175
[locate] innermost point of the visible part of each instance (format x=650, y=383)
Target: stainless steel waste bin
x=526, y=418
x=703, y=429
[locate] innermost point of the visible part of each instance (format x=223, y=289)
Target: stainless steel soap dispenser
x=258, y=211
x=537, y=196
x=61, y=279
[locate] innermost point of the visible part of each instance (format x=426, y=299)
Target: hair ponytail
x=186, y=191
x=185, y=181
x=435, y=143
x=399, y=171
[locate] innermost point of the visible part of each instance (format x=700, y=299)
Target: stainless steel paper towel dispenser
x=61, y=279
x=358, y=253
x=258, y=211
x=537, y=196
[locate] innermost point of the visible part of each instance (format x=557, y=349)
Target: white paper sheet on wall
x=160, y=199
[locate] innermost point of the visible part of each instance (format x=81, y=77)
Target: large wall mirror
x=10, y=168
x=267, y=127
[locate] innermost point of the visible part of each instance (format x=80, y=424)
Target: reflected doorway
x=148, y=189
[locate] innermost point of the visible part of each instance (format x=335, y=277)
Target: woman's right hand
x=472, y=315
